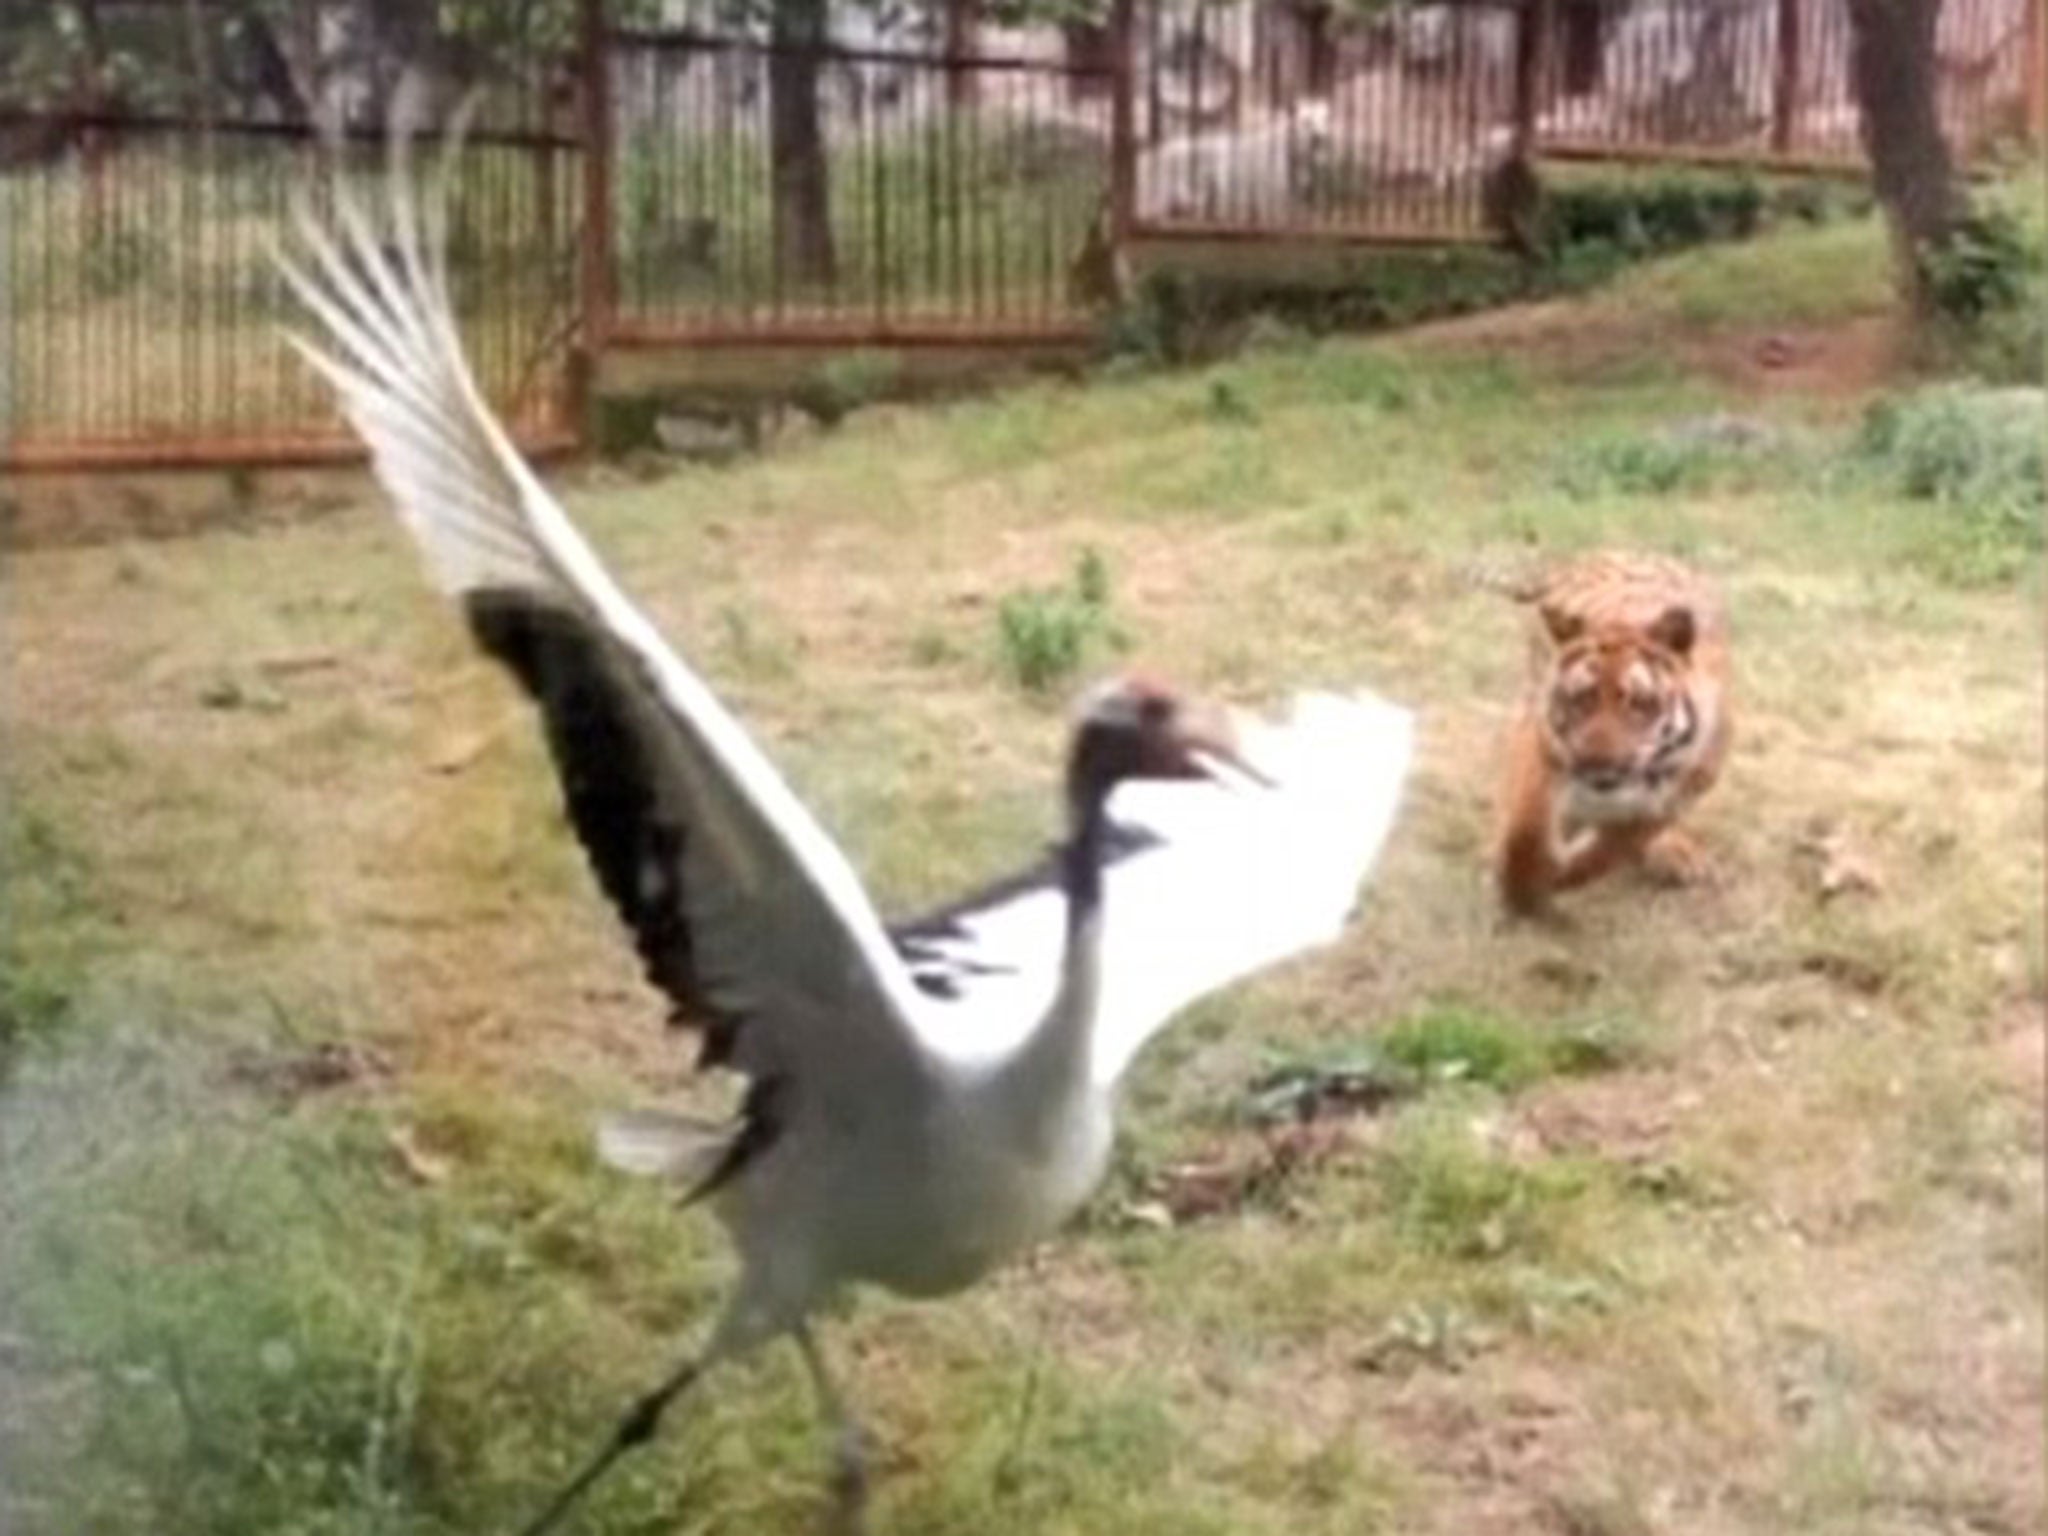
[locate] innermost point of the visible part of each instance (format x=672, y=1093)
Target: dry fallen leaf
x=1842, y=867
x=454, y=756
x=1147, y=1213
x=419, y=1165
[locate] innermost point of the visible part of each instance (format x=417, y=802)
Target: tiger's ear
x=1675, y=630
x=1564, y=627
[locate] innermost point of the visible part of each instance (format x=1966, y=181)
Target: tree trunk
x=796, y=144
x=267, y=67
x=1892, y=66
x=1582, y=43
x=1090, y=54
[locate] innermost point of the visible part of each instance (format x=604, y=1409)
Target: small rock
x=713, y=439
x=1721, y=429
x=1777, y=351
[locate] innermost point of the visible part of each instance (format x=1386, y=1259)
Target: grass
x=1720, y=1213
x=1048, y=634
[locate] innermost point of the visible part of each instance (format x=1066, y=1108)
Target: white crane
x=923, y=1101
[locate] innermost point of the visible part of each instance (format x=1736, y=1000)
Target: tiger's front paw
x=1674, y=859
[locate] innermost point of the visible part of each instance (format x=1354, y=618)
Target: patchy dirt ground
x=1721, y=1212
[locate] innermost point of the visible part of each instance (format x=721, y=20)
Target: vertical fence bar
x=594, y=267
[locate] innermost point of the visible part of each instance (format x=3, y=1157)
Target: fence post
x=1785, y=83
x=1123, y=125
x=594, y=265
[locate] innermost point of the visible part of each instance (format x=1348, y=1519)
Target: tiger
x=1625, y=723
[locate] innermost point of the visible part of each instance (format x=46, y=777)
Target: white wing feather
x=1241, y=877
x=782, y=929
x=1263, y=873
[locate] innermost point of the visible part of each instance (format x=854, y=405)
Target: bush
x=1633, y=466
x=1045, y=636
x=1962, y=444
x=47, y=915
x=1983, y=270
x=847, y=381
x=1686, y=455
x=1976, y=454
x=1988, y=294
x=1636, y=216
x=33, y=1005
x=1586, y=229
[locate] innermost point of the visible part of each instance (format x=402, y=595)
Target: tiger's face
x=1619, y=719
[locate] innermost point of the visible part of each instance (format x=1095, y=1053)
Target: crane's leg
x=850, y=1484
x=635, y=1429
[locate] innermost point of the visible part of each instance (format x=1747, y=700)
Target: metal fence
x=1256, y=119
x=140, y=314
x=1760, y=81
x=655, y=172
x=919, y=182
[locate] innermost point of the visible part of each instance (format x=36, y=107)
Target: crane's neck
x=1070, y=1033
x=1081, y=871
x=1056, y=1067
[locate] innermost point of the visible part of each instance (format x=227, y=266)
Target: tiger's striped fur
x=1625, y=723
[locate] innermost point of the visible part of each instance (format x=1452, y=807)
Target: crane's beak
x=1209, y=740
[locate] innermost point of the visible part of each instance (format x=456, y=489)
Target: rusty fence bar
x=901, y=179
x=1761, y=82
x=839, y=175
x=141, y=191
x=1270, y=121
x=145, y=321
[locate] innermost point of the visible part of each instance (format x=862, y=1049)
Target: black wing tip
x=512, y=623
x=567, y=664
x=1120, y=842
x=922, y=942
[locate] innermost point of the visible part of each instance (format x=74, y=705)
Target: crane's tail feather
x=656, y=1144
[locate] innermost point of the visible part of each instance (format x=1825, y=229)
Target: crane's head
x=1136, y=727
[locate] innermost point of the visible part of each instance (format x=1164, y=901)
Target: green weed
x=849, y=380
x=1046, y=636
x=49, y=931
x=1975, y=455
x=1447, y=1193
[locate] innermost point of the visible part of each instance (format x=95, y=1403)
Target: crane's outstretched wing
x=1205, y=883
x=744, y=911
